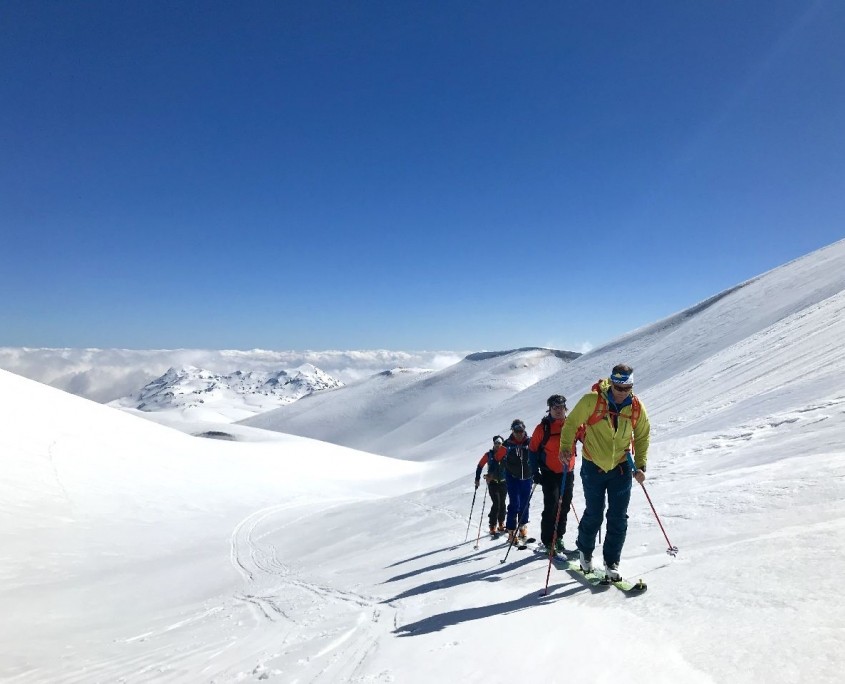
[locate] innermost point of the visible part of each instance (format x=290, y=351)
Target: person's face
x=558, y=411
x=518, y=432
x=620, y=392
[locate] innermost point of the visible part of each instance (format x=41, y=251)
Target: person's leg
x=494, y=504
x=524, y=500
x=618, y=498
x=550, y=495
x=592, y=480
x=565, y=503
x=501, y=490
x=513, y=501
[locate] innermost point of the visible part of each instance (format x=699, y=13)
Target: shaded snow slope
x=415, y=406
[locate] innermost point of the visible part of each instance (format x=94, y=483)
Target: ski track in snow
x=275, y=593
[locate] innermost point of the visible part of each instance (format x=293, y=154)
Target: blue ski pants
x=519, y=492
x=615, y=486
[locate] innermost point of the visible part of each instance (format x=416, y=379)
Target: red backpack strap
x=636, y=409
x=599, y=411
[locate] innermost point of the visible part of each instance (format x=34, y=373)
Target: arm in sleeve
x=480, y=466
x=642, y=438
x=579, y=414
x=536, y=456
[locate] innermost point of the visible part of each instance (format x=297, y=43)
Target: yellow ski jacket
x=604, y=445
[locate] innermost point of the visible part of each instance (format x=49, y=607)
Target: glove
x=476, y=484
x=538, y=478
x=487, y=479
x=564, y=455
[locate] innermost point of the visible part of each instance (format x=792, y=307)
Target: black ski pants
x=498, y=497
x=551, y=492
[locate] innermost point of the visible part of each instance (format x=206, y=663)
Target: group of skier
x=611, y=423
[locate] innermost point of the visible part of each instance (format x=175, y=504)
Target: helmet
x=556, y=400
x=517, y=424
x=498, y=439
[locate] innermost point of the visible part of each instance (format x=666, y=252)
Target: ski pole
x=672, y=550
x=469, y=522
x=554, y=536
x=481, y=519
x=575, y=513
x=521, y=516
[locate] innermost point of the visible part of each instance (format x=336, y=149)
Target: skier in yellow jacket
x=617, y=437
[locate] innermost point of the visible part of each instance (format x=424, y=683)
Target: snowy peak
x=251, y=391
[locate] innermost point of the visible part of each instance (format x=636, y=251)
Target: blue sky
x=405, y=175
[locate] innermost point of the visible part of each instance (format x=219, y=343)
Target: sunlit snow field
x=135, y=552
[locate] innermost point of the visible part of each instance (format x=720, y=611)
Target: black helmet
x=498, y=440
x=517, y=424
x=556, y=400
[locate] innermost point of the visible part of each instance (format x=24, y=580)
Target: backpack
x=541, y=448
x=601, y=410
x=494, y=467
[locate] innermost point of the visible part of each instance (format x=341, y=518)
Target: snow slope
x=396, y=411
x=136, y=553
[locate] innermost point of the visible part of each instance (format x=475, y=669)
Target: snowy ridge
x=233, y=394
x=417, y=406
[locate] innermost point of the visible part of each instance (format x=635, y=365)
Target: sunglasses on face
x=519, y=429
x=624, y=390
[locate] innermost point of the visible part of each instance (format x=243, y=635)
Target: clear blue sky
x=405, y=175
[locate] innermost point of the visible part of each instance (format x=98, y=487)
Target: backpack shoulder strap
x=636, y=408
x=600, y=409
x=547, y=433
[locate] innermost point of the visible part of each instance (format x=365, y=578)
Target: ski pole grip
x=631, y=461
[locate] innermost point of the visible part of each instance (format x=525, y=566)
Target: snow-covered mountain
x=395, y=411
x=230, y=396
x=107, y=374
x=747, y=327
x=132, y=552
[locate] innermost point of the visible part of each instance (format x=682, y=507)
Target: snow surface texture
x=132, y=552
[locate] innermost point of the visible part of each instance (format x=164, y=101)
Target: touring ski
x=597, y=578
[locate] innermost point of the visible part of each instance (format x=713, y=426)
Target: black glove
x=538, y=478
x=476, y=484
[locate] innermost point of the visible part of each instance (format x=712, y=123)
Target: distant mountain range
x=241, y=391
x=420, y=405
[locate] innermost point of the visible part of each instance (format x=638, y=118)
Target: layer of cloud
x=106, y=374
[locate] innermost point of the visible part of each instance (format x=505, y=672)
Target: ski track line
x=243, y=543
x=450, y=513
x=175, y=625
x=249, y=523
x=259, y=564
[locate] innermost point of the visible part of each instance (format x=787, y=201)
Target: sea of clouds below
x=106, y=374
